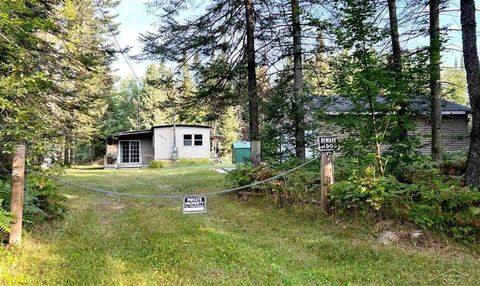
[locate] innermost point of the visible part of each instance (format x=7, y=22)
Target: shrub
x=451, y=209
x=44, y=200
x=429, y=203
x=420, y=194
x=5, y=219
x=454, y=163
x=422, y=171
x=242, y=175
x=5, y=216
x=364, y=193
x=295, y=187
x=41, y=200
x=155, y=164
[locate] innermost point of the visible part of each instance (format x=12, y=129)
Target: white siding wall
x=163, y=143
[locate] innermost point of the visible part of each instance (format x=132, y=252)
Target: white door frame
x=119, y=155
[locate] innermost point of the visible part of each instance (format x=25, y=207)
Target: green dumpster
x=241, y=152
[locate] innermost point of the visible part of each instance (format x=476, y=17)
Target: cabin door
x=130, y=151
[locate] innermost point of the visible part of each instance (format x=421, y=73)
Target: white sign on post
x=327, y=143
x=194, y=204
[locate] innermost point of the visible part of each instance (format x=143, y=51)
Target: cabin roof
x=181, y=125
x=340, y=104
x=133, y=132
x=150, y=131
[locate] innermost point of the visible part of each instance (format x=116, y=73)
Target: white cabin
x=164, y=142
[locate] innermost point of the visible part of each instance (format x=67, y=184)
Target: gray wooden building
x=455, y=128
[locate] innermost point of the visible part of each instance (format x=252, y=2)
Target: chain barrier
x=168, y=196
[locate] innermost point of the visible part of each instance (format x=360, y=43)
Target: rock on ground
x=388, y=238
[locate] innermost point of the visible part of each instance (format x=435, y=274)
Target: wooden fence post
x=326, y=174
x=18, y=184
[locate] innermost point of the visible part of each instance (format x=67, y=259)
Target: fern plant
x=5, y=215
x=5, y=219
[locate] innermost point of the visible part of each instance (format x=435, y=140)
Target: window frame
x=120, y=151
x=195, y=140
x=191, y=140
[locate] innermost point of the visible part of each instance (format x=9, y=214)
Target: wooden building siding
x=146, y=151
x=455, y=133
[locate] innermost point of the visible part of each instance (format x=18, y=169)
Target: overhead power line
x=117, y=43
x=125, y=57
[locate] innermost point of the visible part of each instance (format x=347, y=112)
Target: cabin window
x=130, y=151
x=198, y=140
x=187, y=140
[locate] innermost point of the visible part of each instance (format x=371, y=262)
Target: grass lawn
x=108, y=240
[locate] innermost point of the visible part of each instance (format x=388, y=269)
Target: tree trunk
x=298, y=107
x=436, y=108
x=17, y=195
x=67, y=152
x=394, y=35
x=397, y=67
x=472, y=67
x=253, y=100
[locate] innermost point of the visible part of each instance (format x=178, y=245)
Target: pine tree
x=229, y=129
x=54, y=72
x=158, y=96
x=223, y=28
x=435, y=89
x=189, y=112
x=472, y=67
x=318, y=70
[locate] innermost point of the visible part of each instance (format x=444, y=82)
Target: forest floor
x=108, y=240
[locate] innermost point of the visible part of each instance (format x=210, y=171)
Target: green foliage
x=455, y=81
x=417, y=192
x=157, y=96
x=282, y=118
x=155, y=164
x=229, y=129
x=424, y=197
x=189, y=111
x=54, y=74
x=42, y=201
x=121, y=112
x=5, y=217
x=297, y=187
x=364, y=192
x=241, y=175
x=379, y=95
x=454, y=163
